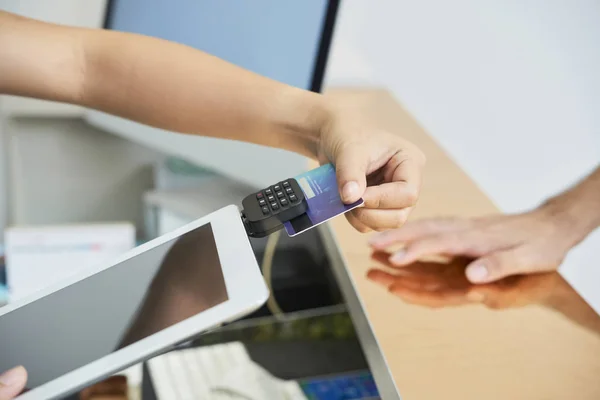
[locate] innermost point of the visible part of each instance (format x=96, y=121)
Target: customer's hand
x=501, y=245
x=381, y=167
x=12, y=383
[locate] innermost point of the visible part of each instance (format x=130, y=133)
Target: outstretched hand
x=500, y=245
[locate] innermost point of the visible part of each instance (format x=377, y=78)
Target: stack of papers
x=37, y=257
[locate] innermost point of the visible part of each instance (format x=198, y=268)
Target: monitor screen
x=278, y=39
x=284, y=40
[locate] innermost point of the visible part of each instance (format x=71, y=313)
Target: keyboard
x=226, y=372
x=219, y=372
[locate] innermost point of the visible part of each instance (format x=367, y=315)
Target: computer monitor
x=284, y=40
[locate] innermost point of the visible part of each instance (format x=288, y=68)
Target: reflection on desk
x=534, y=337
x=437, y=284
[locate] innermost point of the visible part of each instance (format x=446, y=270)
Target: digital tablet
x=154, y=297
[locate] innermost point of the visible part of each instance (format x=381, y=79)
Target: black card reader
x=265, y=211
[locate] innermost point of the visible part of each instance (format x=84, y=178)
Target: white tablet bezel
x=246, y=291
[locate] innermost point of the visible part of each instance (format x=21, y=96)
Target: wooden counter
x=525, y=338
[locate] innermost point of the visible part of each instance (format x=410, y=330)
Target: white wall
x=89, y=13
x=511, y=89
x=81, y=173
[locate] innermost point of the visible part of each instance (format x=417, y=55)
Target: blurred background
x=510, y=89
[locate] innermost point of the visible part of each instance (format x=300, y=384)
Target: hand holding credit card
x=321, y=191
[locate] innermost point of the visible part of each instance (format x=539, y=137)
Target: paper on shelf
x=37, y=257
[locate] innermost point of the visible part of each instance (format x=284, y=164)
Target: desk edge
x=375, y=358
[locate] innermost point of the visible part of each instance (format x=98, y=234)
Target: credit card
x=323, y=197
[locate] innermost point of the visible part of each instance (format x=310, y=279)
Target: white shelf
x=13, y=106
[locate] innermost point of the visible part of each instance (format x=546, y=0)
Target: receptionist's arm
x=181, y=89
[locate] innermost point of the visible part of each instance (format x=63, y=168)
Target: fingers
x=392, y=195
x=351, y=169
x=425, y=292
x=501, y=264
x=452, y=244
x=429, y=298
x=380, y=219
x=381, y=257
x=399, y=189
x=381, y=277
x=12, y=383
x=402, y=187
x=356, y=223
x=419, y=229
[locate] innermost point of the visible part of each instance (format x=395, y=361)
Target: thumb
x=499, y=265
x=12, y=383
x=351, y=169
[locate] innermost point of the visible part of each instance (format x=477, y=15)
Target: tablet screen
x=114, y=308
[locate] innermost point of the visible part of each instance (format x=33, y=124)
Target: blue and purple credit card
x=323, y=197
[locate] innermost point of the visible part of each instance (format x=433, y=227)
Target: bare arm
x=181, y=89
x=155, y=82
x=502, y=245
x=578, y=207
